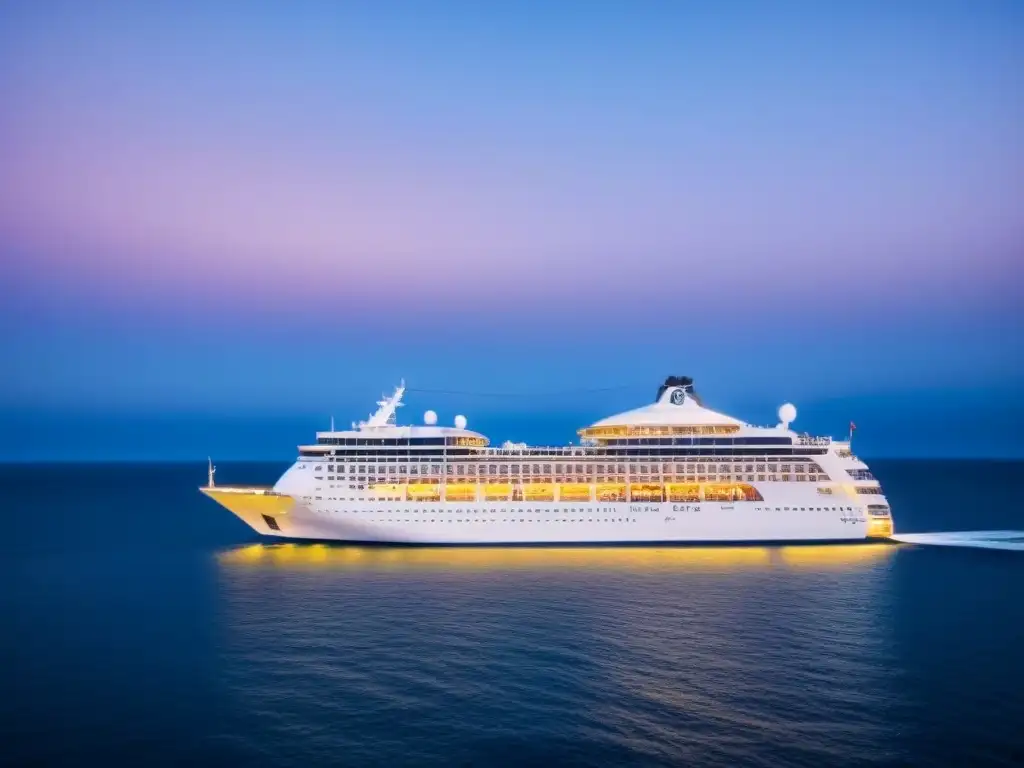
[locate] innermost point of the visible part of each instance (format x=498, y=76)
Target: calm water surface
x=143, y=623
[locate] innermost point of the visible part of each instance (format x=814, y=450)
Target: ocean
x=143, y=624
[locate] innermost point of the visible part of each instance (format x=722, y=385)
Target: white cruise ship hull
x=725, y=481
x=475, y=523
x=619, y=523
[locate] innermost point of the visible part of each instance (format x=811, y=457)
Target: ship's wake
x=1013, y=540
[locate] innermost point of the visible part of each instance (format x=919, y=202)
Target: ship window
x=272, y=523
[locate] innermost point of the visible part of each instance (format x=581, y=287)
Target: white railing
x=560, y=450
x=246, y=490
x=808, y=440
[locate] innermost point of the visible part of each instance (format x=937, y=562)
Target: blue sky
x=234, y=220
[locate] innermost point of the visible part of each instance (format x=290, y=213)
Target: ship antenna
x=210, y=471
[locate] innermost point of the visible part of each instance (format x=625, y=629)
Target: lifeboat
x=574, y=492
x=460, y=492
x=497, y=491
x=538, y=492
x=731, y=492
x=424, y=492
x=683, y=491
x=610, y=492
x=646, y=492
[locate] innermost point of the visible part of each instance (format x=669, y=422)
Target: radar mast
x=384, y=416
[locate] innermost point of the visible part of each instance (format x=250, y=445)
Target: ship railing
x=249, y=490
x=535, y=450
x=809, y=440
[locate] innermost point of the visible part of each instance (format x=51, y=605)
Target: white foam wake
x=981, y=539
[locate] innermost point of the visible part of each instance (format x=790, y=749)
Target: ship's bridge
x=677, y=411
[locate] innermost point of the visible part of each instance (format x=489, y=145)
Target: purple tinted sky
x=216, y=207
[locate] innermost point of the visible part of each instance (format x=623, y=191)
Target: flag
x=852, y=426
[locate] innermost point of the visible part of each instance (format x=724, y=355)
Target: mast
x=384, y=416
x=210, y=472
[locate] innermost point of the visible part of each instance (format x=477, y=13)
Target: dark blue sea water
x=141, y=623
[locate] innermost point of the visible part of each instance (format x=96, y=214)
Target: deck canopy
x=677, y=411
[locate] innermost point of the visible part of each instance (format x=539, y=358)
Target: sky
x=221, y=222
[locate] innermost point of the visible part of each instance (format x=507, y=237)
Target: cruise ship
x=671, y=471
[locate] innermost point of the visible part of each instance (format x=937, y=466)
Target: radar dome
x=787, y=413
x=460, y=422
x=430, y=418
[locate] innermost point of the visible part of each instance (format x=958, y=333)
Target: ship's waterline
x=670, y=472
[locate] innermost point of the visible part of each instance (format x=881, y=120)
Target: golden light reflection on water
x=324, y=556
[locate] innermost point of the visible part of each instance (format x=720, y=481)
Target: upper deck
x=677, y=424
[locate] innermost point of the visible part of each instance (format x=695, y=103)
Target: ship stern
x=879, y=517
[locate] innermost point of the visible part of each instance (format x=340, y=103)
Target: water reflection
x=324, y=556
x=593, y=656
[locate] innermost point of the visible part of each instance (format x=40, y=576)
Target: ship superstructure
x=670, y=471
